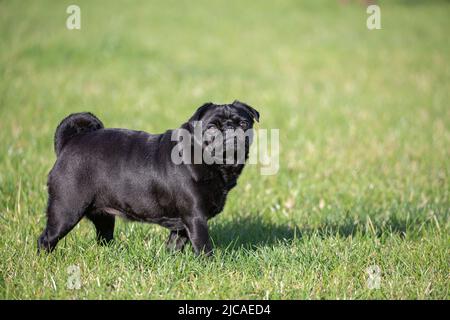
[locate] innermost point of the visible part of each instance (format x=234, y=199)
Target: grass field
x=364, y=125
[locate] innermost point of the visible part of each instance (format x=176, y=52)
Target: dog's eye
x=243, y=124
x=211, y=126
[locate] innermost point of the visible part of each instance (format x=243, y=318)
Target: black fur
x=100, y=173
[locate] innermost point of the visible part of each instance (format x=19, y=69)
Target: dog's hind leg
x=177, y=240
x=104, y=226
x=61, y=218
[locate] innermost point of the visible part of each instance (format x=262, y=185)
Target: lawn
x=364, y=124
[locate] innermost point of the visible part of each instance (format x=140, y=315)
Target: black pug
x=100, y=173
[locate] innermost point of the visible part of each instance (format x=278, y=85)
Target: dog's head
x=227, y=130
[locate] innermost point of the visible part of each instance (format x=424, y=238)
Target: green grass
x=365, y=144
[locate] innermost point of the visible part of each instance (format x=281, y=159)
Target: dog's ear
x=200, y=112
x=250, y=110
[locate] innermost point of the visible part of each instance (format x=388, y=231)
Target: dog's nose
x=228, y=125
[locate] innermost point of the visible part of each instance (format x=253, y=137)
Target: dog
x=101, y=173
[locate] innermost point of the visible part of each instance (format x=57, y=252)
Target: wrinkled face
x=227, y=130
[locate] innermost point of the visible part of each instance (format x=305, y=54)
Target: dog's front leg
x=197, y=228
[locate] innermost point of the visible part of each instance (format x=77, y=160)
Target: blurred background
x=363, y=114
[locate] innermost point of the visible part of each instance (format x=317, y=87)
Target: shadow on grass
x=252, y=232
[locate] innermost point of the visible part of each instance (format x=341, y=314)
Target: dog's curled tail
x=73, y=125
